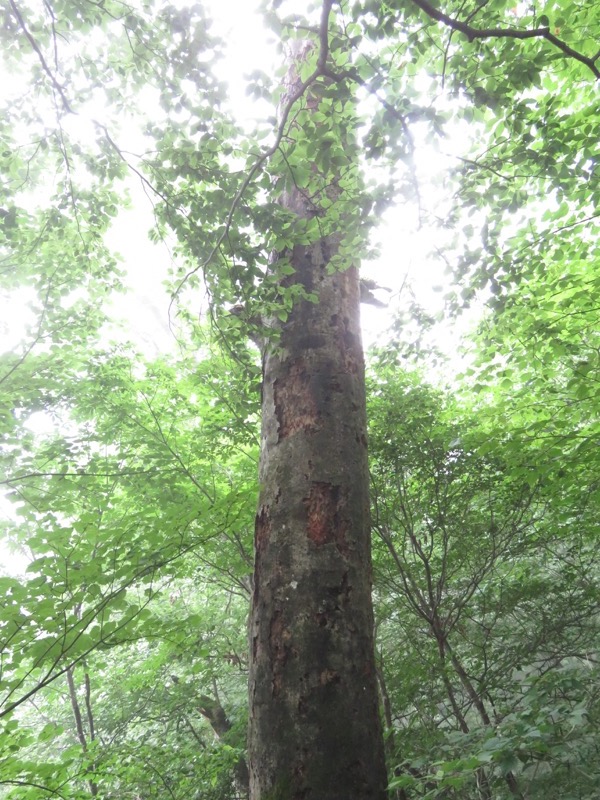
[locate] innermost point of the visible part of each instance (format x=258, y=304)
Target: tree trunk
x=314, y=728
x=214, y=712
x=79, y=719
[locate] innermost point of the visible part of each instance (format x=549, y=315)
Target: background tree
x=468, y=556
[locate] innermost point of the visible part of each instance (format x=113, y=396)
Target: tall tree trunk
x=314, y=729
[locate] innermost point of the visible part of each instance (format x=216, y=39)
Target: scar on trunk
x=262, y=529
x=329, y=676
x=326, y=520
x=295, y=404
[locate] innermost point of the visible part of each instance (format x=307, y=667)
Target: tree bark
x=314, y=727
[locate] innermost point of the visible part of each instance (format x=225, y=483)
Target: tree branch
x=507, y=33
x=32, y=785
x=117, y=474
x=40, y=55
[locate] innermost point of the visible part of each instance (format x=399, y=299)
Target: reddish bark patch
x=322, y=505
x=295, y=405
x=326, y=522
x=262, y=529
x=328, y=676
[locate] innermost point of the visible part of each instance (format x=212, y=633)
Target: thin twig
x=139, y=174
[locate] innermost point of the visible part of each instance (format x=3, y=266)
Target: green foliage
x=487, y=580
x=123, y=646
